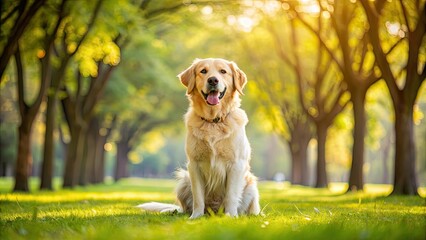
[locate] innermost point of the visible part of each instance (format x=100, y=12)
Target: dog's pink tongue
x=213, y=98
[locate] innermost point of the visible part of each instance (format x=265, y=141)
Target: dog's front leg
x=234, y=187
x=197, y=188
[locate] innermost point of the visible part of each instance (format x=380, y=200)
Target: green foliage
x=108, y=212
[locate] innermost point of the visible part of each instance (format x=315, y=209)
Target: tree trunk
x=27, y=114
x=84, y=160
x=121, y=170
x=24, y=159
x=49, y=145
x=73, y=157
x=356, y=180
x=321, y=181
x=3, y=169
x=405, y=181
x=100, y=159
x=299, y=163
x=69, y=165
x=385, y=158
x=100, y=139
x=91, y=150
x=298, y=148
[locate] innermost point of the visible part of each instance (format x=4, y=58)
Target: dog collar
x=215, y=120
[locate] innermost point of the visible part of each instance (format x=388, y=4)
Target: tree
x=96, y=63
x=130, y=131
x=319, y=91
x=25, y=11
x=8, y=133
x=97, y=135
x=29, y=112
x=324, y=82
x=143, y=99
x=357, y=67
x=411, y=72
x=92, y=68
x=78, y=108
x=64, y=54
x=283, y=110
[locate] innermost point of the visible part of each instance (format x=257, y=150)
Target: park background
x=89, y=88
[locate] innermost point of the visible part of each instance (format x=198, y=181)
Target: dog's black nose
x=212, y=81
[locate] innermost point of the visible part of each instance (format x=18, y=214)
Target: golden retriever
x=218, y=152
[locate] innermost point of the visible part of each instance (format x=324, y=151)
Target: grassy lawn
x=290, y=212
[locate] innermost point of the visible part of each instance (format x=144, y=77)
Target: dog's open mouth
x=214, y=97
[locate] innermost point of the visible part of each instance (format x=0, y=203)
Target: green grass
x=290, y=212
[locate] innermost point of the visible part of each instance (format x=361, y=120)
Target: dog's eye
x=204, y=71
x=223, y=71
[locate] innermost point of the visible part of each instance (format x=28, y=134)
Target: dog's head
x=213, y=79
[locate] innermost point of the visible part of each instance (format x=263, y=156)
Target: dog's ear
x=239, y=77
x=187, y=77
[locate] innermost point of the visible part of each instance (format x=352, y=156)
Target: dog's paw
x=232, y=215
x=196, y=215
x=231, y=211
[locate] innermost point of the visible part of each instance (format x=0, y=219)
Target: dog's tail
x=160, y=207
x=184, y=197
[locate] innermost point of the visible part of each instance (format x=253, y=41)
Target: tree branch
x=372, y=78
x=68, y=107
x=364, y=50
x=404, y=13
x=322, y=42
x=15, y=34
x=50, y=38
x=96, y=87
x=78, y=100
x=297, y=69
x=23, y=108
x=337, y=107
x=423, y=74
x=394, y=46
x=381, y=60
x=10, y=14
x=279, y=46
x=89, y=25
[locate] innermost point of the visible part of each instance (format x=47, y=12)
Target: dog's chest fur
x=215, y=141
x=215, y=147
x=212, y=141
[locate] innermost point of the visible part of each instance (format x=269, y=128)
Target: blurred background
x=335, y=89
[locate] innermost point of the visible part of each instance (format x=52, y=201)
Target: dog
x=218, y=176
